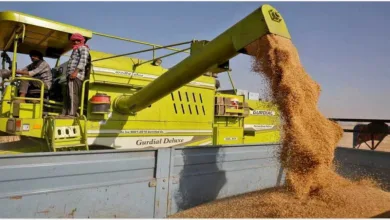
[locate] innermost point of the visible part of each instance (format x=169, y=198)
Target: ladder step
x=67, y=140
x=68, y=146
x=68, y=136
x=68, y=143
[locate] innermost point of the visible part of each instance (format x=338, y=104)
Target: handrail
x=167, y=55
x=82, y=97
x=26, y=98
x=134, y=41
x=46, y=125
x=13, y=70
x=146, y=50
x=85, y=130
x=153, y=49
x=21, y=29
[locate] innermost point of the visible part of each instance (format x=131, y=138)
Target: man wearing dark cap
x=38, y=69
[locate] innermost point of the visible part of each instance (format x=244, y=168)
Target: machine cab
x=21, y=33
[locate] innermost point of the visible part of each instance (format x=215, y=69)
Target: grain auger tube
x=265, y=20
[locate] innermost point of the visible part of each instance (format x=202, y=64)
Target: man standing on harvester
x=75, y=74
x=38, y=69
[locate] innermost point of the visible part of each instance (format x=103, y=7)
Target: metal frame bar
x=13, y=36
x=153, y=49
x=16, y=35
x=9, y=42
x=53, y=125
x=359, y=120
x=231, y=81
x=146, y=50
x=167, y=55
x=40, y=99
x=14, y=56
x=352, y=131
x=13, y=72
x=83, y=97
x=134, y=41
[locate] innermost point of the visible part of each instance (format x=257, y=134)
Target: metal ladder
x=68, y=137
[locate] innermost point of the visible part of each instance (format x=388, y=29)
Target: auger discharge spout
x=264, y=20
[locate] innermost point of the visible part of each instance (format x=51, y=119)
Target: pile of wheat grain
x=313, y=189
x=358, y=200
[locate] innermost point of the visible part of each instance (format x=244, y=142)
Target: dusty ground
x=347, y=140
x=5, y=139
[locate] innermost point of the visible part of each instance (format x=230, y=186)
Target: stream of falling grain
x=313, y=189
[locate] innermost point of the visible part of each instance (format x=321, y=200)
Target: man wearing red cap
x=75, y=73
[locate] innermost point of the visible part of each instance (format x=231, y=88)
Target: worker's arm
x=33, y=72
x=24, y=71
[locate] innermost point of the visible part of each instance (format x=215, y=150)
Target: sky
x=344, y=46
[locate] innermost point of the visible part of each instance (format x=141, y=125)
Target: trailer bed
x=152, y=183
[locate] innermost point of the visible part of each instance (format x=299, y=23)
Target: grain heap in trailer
x=131, y=103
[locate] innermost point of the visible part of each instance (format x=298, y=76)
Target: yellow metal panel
x=3, y=124
x=5, y=106
x=262, y=125
x=228, y=122
x=166, y=114
x=263, y=137
x=29, y=127
x=41, y=34
x=275, y=21
x=119, y=69
x=263, y=113
x=189, y=108
x=27, y=110
x=19, y=17
x=235, y=110
x=228, y=136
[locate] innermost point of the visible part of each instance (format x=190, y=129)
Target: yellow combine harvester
x=150, y=106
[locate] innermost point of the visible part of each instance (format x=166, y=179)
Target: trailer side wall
x=147, y=183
